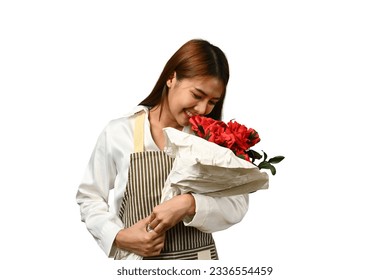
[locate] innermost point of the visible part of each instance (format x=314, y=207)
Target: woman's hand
x=171, y=212
x=138, y=240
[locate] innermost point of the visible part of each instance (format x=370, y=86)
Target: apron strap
x=139, y=132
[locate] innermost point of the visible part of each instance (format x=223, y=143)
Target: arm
x=108, y=168
x=92, y=196
x=218, y=213
x=208, y=214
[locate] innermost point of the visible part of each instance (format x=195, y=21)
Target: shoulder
x=121, y=129
x=125, y=120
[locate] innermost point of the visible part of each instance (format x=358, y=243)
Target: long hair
x=196, y=58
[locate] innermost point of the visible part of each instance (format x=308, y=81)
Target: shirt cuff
x=108, y=242
x=202, y=209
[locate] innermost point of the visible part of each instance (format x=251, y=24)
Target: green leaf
x=253, y=154
x=263, y=164
x=241, y=156
x=265, y=156
x=276, y=159
x=273, y=169
x=267, y=165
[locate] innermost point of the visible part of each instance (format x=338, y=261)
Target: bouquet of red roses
x=216, y=161
x=234, y=136
x=212, y=164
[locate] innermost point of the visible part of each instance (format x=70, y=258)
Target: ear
x=172, y=79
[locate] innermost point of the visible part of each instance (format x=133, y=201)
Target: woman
x=129, y=159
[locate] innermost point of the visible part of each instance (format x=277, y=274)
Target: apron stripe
x=186, y=255
x=152, y=170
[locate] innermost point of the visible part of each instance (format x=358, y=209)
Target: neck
x=157, y=123
x=160, y=118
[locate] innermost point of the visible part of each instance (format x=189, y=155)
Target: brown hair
x=195, y=58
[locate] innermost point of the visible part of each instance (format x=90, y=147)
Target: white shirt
x=107, y=174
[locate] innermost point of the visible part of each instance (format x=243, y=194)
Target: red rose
x=245, y=138
x=200, y=125
x=235, y=136
x=229, y=138
x=214, y=133
x=242, y=154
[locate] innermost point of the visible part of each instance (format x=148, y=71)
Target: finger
x=160, y=228
x=160, y=239
x=144, y=221
x=154, y=230
x=152, y=216
x=149, y=228
x=154, y=223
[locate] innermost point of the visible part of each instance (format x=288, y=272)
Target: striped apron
x=148, y=171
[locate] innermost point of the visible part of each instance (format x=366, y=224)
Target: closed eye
x=199, y=97
x=200, y=94
x=196, y=96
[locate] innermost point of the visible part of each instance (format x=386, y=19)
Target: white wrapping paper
x=206, y=168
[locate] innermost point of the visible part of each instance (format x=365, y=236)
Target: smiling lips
x=189, y=114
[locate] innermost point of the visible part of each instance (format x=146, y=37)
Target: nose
x=201, y=108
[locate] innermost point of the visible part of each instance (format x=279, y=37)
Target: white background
x=310, y=76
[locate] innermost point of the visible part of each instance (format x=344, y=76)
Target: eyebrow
x=205, y=94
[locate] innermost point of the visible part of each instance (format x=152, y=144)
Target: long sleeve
x=218, y=213
x=93, y=195
x=101, y=190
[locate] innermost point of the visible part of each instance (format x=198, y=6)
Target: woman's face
x=189, y=97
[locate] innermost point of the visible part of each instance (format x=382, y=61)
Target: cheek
x=178, y=104
x=173, y=100
x=187, y=101
x=209, y=109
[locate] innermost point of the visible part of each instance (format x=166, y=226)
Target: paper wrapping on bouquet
x=206, y=168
